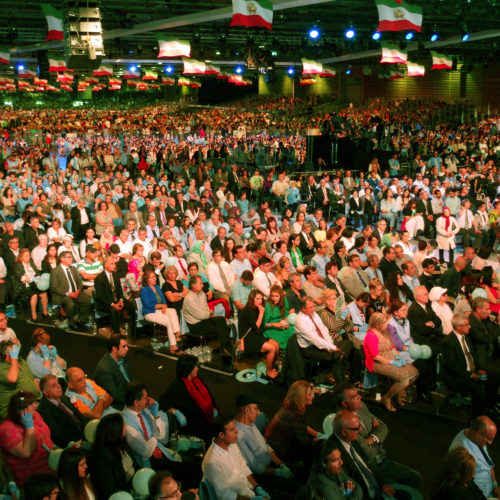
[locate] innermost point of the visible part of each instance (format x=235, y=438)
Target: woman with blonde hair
x=289, y=435
x=282, y=272
x=382, y=358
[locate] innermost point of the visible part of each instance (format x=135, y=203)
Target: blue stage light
x=314, y=33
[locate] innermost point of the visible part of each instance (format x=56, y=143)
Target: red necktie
x=317, y=328
x=157, y=452
x=182, y=267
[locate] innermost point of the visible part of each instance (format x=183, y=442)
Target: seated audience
x=43, y=357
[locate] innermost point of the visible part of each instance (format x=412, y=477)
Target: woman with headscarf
x=446, y=228
x=439, y=298
x=198, y=255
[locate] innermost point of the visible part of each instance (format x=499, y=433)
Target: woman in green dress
x=275, y=317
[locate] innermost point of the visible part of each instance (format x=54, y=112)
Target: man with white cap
x=439, y=303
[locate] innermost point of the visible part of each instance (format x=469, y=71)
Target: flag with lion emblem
x=251, y=13
x=397, y=15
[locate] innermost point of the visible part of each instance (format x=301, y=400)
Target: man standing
x=80, y=219
x=66, y=287
x=388, y=262
x=279, y=189
x=112, y=371
x=468, y=225
x=225, y=468
x=475, y=440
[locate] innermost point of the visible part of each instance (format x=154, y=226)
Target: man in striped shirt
x=89, y=268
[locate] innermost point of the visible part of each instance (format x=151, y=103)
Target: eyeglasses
x=354, y=429
x=173, y=494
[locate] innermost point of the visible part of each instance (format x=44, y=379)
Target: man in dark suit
x=424, y=208
x=112, y=371
x=380, y=230
x=373, y=479
x=460, y=371
x=217, y=242
x=425, y=326
x=331, y=281
x=109, y=297
x=322, y=195
x=65, y=422
x=429, y=278
x=8, y=234
x=388, y=262
x=452, y=278
x=66, y=287
x=307, y=242
x=10, y=255
x=80, y=219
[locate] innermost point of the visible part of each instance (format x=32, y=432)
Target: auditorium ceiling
x=129, y=29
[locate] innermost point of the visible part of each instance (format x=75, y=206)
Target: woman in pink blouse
x=23, y=438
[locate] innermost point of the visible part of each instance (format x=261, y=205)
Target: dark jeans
x=332, y=359
x=214, y=327
x=475, y=388
x=115, y=316
x=82, y=303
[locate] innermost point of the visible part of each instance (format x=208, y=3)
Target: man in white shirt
x=315, y=340
x=225, y=468
x=279, y=188
x=180, y=262
x=468, y=225
x=40, y=251
x=263, y=278
x=124, y=244
x=220, y=275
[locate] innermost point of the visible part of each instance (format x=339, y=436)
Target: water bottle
x=94, y=328
x=154, y=344
x=126, y=329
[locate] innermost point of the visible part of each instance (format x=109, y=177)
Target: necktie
x=72, y=285
x=468, y=355
x=318, y=331
x=269, y=282
x=466, y=219
x=224, y=279
x=366, y=473
x=68, y=411
x=363, y=282
x=163, y=218
x=111, y=282
x=123, y=371
x=157, y=451
x=182, y=267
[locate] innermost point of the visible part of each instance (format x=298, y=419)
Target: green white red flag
x=392, y=53
x=54, y=22
x=398, y=15
x=173, y=47
x=327, y=72
x=103, y=71
x=311, y=67
x=4, y=56
x=441, y=61
x=307, y=80
x=193, y=67
x=150, y=75
x=57, y=65
x=26, y=73
x=415, y=69
x=252, y=13
x=184, y=81
x=130, y=74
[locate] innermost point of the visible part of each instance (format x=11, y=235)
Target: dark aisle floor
x=416, y=439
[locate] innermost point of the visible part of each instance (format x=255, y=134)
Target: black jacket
x=103, y=293
x=107, y=375
x=421, y=333
x=484, y=337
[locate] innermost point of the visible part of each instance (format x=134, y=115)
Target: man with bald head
x=373, y=478
x=91, y=400
x=453, y=276
x=475, y=440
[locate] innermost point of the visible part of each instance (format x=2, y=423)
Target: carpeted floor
x=417, y=439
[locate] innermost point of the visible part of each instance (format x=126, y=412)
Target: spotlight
x=434, y=37
x=291, y=71
x=314, y=33
x=409, y=35
x=465, y=32
x=169, y=69
x=239, y=70
x=132, y=68
x=465, y=37
x=217, y=52
x=376, y=35
x=20, y=67
x=348, y=71
x=350, y=33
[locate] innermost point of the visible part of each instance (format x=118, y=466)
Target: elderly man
x=40, y=251
x=373, y=479
x=426, y=327
x=43, y=358
x=134, y=214
x=65, y=422
x=225, y=468
x=410, y=275
x=354, y=279
x=475, y=440
x=80, y=219
x=315, y=340
x=200, y=319
x=88, y=398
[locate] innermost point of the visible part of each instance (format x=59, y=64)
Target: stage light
x=465, y=37
x=348, y=71
x=169, y=69
x=409, y=35
x=20, y=67
x=434, y=37
x=376, y=35
x=291, y=71
x=239, y=70
x=350, y=33
x=132, y=68
x=465, y=32
x=314, y=33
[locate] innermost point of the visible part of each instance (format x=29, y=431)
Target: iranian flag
x=40, y=82
x=211, y=70
x=396, y=74
x=27, y=73
x=195, y=84
x=4, y=56
x=193, y=67
x=54, y=22
x=131, y=83
x=22, y=85
x=115, y=87
x=168, y=80
x=237, y=79
x=115, y=81
x=397, y=15
x=130, y=74
x=441, y=61
x=307, y=80
x=415, y=69
x=391, y=53
x=103, y=71
x=90, y=80
x=327, y=72
x=184, y=81
x=51, y=88
x=311, y=67
x=224, y=75
x=252, y=13
x=57, y=65
x=173, y=47
x=65, y=78
x=150, y=75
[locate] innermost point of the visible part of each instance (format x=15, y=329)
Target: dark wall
x=214, y=91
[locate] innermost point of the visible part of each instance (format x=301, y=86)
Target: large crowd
x=210, y=223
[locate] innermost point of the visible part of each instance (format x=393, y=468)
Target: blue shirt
x=240, y=292
x=253, y=447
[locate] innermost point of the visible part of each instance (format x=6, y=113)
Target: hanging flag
x=307, y=80
x=115, y=87
x=130, y=74
x=40, y=82
x=184, y=81
x=131, y=83
x=235, y=79
x=4, y=56
x=54, y=22
x=26, y=73
x=51, y=88
x=103, y=71
x=173, y=47
x=65, y=78
x=391, y=53
x=168, y=80
x=142, y=86
x=327, y=72
x=150, y=75
x=397, y=15
x=441, y=61
x=57, y=65
x=114, y=81
x=21, y=84
x=211, y=70
x=67, y=88
x=223, y=76
x=415, y=69
x=195, y=84
x=91, y=80
x=193, y=67
x=252, y=13
x=311, y=67
x=395, y=74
